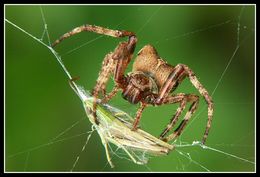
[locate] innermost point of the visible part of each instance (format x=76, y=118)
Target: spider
x=151, y=82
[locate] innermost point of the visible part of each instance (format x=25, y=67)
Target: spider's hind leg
x=174, y=99
x=194, y=80
x=194, y=99
x=179, y=73
x=182, y=99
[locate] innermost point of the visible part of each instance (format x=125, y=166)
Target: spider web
x=188, y=155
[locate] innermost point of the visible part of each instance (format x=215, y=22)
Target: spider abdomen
x=149, y=62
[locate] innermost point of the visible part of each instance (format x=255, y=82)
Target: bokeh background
x=39, y=103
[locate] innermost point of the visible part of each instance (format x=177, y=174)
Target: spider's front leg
x=116, y=63
x=95, y=29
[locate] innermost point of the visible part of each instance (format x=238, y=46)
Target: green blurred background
x=39, y=103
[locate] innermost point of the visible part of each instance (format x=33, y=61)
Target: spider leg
x=178, y=74
x=110, y=95
x=107, y=68
x=95, y=29
x=194, y=80
x=138, y=116
x=194, y=99
x=116, y=63
x=170, y=100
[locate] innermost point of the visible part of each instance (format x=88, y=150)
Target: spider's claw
x=134, y=128
x=203, y=141
x=164, y=139
x=164, y=133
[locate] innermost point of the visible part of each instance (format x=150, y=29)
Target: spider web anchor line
x=198, y=143
x=83, y=148
x=195, y=31
x=187, y=155
x=46, y=144
x=45, y=27
x=26, y=161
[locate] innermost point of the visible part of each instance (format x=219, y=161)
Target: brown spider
x=151, y=81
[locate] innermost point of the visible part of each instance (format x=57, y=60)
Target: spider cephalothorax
x=151, y=82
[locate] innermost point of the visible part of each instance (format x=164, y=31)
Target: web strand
x=191, y=160
x=84, y=44
x=148, y=20
x=47, y=144
x=83, y=148
x=197, y=143
x=26, y=161
x=45, y=27
x=225, y=70
x=67, y=129
x=196, y=31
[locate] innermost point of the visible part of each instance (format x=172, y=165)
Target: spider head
x=139, y=86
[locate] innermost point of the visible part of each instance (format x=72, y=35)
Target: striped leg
x=175, y=118
x=182, y=99
x=108, y=66
x=138, y=116
x=194, y=80
x=179, y=73
x=95, y=29
x=115, y=62
x=194, y=100
x=110, y=95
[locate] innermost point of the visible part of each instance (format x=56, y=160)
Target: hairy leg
x=115, y=62
x=110, y=95
x=108, y=66
x=171, y=100
x=95, y=29
x=138, y=116
x=194, y=80
x=194, y=99
x=172, y=82
x=179, y=73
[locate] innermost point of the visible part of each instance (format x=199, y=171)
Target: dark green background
x=39, y=104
